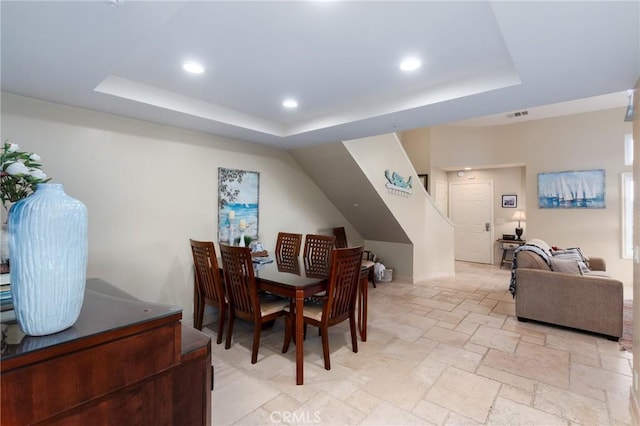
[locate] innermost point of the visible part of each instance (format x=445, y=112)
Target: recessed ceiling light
x=193, y=67
x=410, y=64
x=290, y=103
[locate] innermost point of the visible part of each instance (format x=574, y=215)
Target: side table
x=509, y=246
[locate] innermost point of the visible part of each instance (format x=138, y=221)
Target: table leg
x=299, y=337
x=504, y=257
x=363, y=295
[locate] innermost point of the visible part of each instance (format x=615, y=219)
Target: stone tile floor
x=441, y=352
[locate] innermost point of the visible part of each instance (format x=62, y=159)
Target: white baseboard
x=634, y=407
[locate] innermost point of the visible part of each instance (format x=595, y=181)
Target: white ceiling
x=339, y=59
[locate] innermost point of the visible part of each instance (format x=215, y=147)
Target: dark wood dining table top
x=289, y=273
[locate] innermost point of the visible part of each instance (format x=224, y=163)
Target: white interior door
x=472, y=212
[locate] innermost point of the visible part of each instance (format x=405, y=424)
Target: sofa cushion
x=597, y=274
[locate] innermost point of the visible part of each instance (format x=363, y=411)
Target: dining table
x=290, y=278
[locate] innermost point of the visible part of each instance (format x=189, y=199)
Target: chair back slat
x=207, y=274
x=317, y=254
x=288, y=244
x=240, y=281
x=290, y=264
x=343, y=283
x=341, y=237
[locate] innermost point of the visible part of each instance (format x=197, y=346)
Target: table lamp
x=519, y=216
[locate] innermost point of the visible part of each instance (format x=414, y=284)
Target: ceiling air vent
x=518, y=114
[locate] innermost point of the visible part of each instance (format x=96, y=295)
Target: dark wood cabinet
x=124, y=362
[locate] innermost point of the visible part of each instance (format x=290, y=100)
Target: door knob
x=487, y=227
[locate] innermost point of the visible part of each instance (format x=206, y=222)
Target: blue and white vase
x=48, y=245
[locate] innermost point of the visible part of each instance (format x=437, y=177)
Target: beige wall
x=592, y=140
x=417, y=144
x=429, y=230
x=149, y=188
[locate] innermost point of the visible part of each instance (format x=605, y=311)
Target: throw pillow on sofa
x=584, y=268
x=566, y=265
x=571, y=253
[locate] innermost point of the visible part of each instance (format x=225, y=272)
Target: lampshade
x=519, y=215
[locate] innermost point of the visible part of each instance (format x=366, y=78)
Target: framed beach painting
x=583, y=189
x=238, y=204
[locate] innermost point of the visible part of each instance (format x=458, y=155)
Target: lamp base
x=519, y=233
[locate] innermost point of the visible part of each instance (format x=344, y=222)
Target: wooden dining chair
x=317, y=254
x=244, y=302
x=341, y=242
x=339, y=303
x=209, y=289
x=288, y=244
x=341, y=237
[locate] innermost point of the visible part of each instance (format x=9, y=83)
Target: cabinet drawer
x=79, y=377
x=510, y=246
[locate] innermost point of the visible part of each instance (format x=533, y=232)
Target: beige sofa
x=590, y=301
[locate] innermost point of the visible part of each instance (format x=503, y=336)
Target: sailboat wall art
x=583, y=189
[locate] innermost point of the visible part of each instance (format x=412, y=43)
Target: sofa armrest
x=597, y=264
x=587, y=303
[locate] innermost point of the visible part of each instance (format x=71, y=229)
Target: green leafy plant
x=247, y=241
x=20, y=172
